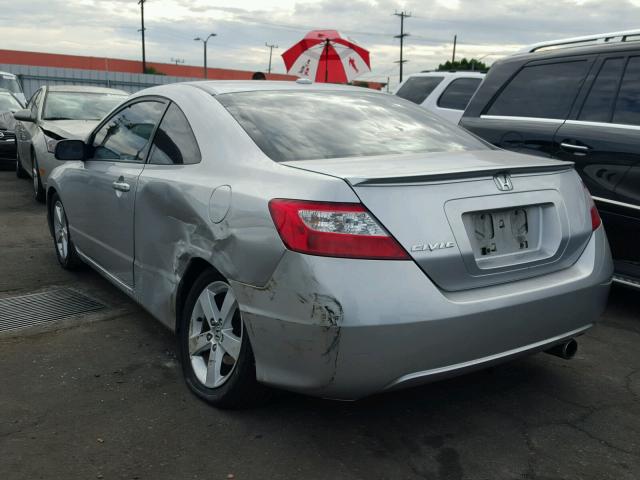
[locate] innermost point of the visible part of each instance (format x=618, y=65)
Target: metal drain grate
x=35, y=308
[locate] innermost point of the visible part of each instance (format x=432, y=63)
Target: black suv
x=577, y=100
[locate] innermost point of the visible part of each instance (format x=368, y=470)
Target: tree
x=463, y=64
x=153, y=71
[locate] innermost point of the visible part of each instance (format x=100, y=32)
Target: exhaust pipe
x=566, y=350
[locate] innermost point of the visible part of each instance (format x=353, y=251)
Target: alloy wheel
x=61, y=230
x=215, y=335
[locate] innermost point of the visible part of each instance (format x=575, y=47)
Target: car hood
x=427, y=166
x=74, y=129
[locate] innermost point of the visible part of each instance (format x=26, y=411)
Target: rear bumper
x=349, y=328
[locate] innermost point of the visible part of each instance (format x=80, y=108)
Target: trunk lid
x=452, y=214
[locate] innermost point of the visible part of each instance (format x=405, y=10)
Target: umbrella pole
x=326, y=61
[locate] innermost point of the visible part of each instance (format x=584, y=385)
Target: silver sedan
x=327, y=240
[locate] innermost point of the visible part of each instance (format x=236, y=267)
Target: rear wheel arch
x=194, y=269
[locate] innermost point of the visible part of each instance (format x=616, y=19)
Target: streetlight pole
x=204, y=42
x=142, y=29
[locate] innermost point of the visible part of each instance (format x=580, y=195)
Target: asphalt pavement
x=101, y=396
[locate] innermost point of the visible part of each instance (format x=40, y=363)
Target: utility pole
x=144, y=55
x=177, y=61
x=205, y=41
x=455, y=41
x=402, y=16
x=271, y=47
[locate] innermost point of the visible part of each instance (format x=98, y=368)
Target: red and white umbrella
x=324, y=56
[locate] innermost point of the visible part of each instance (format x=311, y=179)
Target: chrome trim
x=602, y=124
x=95, y=265
x=615, y=202
x=490, y=358
x=523, y=119
x=570, y=146
x=624, y=281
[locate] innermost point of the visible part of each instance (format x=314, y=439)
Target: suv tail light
x=333, y=230
x=596, y=221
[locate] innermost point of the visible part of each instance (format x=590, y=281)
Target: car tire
x=20, y=173
x=66, y=253
x=208, y=347
x=38, y=190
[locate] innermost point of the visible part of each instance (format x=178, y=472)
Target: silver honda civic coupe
x=326, y=239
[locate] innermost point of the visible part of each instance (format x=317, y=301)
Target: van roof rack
x=597, y=39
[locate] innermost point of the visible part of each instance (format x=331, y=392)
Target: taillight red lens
x=596, y=221
x=333, y=230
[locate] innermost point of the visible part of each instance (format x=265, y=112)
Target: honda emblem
x=503, y=182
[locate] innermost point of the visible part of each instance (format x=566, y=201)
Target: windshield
x=79, y=105
x=8, y=103
x=10, y=83
x=306, y=125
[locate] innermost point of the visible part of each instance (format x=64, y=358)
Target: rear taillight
x=596, y=221
x=333, y=230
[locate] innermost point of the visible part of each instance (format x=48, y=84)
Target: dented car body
x=454, y=273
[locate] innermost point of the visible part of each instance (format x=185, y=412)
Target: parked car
x=444, y=93
x=8, y=105
x=578, y=100
x=8, y=81
x=55, y=113
x=326, y=239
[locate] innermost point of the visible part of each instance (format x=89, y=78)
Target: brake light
x=333, y=230
x=596, y=221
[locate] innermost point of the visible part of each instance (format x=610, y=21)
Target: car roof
x=219, y=87
x=85, y=89
x=569, y=51
x=450, y=74
x=7, y=74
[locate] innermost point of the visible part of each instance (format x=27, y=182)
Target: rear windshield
x=299, y=125
x=79, y=105
x=416, y=89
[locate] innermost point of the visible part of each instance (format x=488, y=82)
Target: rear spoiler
x=459, y=174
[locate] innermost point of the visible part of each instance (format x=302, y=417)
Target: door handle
x=121, y=186
x=577, y=148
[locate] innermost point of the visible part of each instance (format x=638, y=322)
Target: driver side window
x=126, y=135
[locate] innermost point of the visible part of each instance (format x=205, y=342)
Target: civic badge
x=503, y=182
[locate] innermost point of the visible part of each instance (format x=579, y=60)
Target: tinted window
x=126, y=135
x=458, y=93
x=416, y=89
x=174, y=143
x=79, y=105
x=542, y=91
x=628, y=104
x=599, y=103
x=303, y=125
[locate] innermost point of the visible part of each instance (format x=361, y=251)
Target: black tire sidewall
x=38, y=192
x=242, y=379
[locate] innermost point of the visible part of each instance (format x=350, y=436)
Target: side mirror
x=24, y=116
x=70, y=150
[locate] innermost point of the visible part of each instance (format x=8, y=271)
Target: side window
x=458, y=93
x=125, y=137
x=416, y=89
x=541, y=91
x=174, y=143
x=599, y=103
x=627, y=109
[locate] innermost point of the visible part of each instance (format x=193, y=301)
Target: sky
x=485, y=28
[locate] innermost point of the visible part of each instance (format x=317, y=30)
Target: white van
x=443, y=93
x=8, y=81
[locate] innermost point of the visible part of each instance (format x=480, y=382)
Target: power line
x=402, y=16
